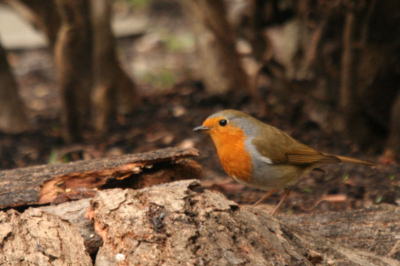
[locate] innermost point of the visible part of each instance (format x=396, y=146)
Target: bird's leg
x=266, y=196
x=287, y=192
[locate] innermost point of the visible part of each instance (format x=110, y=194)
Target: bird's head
x=226, y=127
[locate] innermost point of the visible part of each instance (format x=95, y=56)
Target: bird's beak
x=201, y=128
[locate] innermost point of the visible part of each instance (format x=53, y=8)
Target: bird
x=261, y=156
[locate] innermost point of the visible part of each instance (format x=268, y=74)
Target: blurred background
x=83, y=79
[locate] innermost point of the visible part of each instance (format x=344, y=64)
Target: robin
x=261, y=156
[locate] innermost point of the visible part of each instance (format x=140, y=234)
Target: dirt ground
x=163, y=64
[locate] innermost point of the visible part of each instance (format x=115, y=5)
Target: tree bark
x=376, y=234
x=373, y=229
x=74, y=212
x=173, y=225
x=113, y=90
x=393, y=142
x=73, y=59
x=61, y=182
x=350, y=106
x=347, y=88
x=12, y=114
x=38, y=238
x=221, y=67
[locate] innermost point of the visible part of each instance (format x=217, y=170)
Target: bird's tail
x=354, y=161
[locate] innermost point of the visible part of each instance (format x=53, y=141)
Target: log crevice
x=62, y=182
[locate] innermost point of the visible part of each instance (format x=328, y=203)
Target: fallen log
x=377, y=232
x=74, y=212
x=374, y=229
x=61, y=182
x=38, y=238
x=173, y=225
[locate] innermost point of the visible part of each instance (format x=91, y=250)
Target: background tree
x=73, y=59
x=113, y=91
x=84, y=54
x=12, y=114
x=337, y=59
x=42, y=14
x=215, y=40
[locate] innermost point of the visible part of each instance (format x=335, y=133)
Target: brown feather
x=354, y=161
x=312, y=159
x=281, y=148
x=282, y=145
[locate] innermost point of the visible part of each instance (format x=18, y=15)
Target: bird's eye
x=223, y=122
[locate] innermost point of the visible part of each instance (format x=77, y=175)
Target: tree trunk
x=12, y=114
x=113, y=90
x=73, y=59
x=61, y=182
x=351, y=99
x=347, y=80
x=220, y=62
x=369, y=74
x=393, y=142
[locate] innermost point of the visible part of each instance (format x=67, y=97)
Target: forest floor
x=173, y=101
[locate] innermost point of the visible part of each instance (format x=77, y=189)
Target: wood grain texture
x=374, y=229
x=38, y=238
x=74, y=213
x=177, y=226
x=60, y=182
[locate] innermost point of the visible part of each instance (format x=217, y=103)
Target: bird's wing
x=293, y=153
x=307, y=155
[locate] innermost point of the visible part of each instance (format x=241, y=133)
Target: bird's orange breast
x=232, y=152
